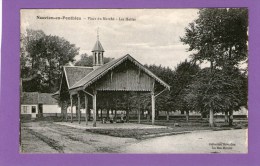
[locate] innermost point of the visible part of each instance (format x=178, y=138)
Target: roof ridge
x=80, y=67
x=113, y=64
x=93, y=71
x=114, y=61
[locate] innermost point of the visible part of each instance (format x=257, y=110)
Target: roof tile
x=76, y=73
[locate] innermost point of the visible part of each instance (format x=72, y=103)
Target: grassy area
x=173, y=127
x=133, y=133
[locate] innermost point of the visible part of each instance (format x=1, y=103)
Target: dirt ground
x=226, y=141
x=50, y=137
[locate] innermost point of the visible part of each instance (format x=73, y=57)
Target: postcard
x=144, y=82
x=128, y=80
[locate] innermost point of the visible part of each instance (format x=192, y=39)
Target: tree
x=165, y=101
x=178, y=79
x=86, y=60
x=45, y=56
x=184, y=76
x=221, y=93
x=218, y=36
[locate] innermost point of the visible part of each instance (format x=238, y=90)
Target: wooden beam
x=71, y=108
x=111, y=76
x=95, y=108
x=79, y=118
x=139, y=111
x=86, y=108
x=153, y=106
x=127, y=109
x=160, y=92
x=87, y=93
x=139, y=75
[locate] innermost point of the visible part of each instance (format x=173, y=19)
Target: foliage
x=185, y=73
x=86, y=60
x=165, y=101
x=218, y=36
x=221, y=92
x=44, y=55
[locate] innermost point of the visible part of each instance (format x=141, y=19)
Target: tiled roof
x=75, y=73
x=29, y=98
x=99, y=72
x=98, y=47
x=46, y=98
x=37, y=98
x=96, y=72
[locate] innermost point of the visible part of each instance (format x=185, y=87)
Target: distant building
x=35, y=104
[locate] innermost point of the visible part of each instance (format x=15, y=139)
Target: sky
x=151, y=36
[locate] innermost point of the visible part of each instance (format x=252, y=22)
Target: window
x=33, y=109
x=25, y=109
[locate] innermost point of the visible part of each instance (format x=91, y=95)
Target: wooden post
x=79, y=118
x=127, y=109
x=95, y=108
x=139, y=111
x=71, y=108
x=86, y=108
x=153, y=107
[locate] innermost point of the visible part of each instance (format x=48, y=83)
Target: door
x=34, y=112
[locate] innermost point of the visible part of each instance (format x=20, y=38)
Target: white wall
x=29, y=109
x=51, y=109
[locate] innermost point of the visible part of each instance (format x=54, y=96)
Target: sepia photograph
x=134, y=81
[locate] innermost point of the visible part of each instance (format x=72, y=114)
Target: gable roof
x=29, y=98
x=99, y=72
x=98, y=47
x=75, y=73
x=46, y=98
x=37, y=98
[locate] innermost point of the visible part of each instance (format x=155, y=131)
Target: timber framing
x=123, y=74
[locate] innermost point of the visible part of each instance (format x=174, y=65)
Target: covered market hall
x=84, y=87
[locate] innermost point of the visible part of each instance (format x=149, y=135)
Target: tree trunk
x=127, y=115
x=107, y=113
x=211, y=118
x=115, y=114
x=148, y=116
x=187, y=116
x=226, y=117
x=230, y=120
x=66, y=111
x=62, y=111
x=167, y=116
